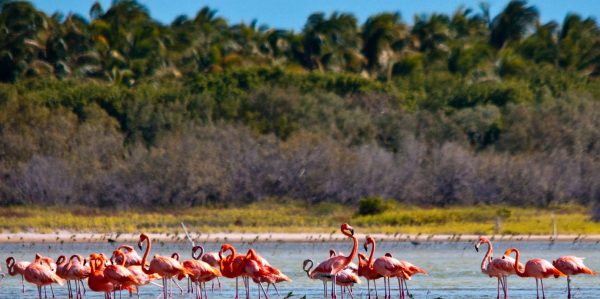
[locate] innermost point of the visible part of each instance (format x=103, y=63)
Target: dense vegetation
x=296, y=217
x=120, y=110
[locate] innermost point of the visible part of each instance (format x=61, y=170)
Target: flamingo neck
x=370, y=262
x=519, y=273
x=145, y=257
x=486, y=258
x=10, y=264
x=352, y=254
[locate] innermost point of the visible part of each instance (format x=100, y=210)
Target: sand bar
x=69, y=237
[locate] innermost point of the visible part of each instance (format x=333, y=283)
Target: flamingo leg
x=263, y=290
x=368, y=289
x=204, y=288
x=236, y=288
x=498, y=289
x=542, y=283
x=537, y=290
x=505, y=287
x=375, y=285
x=180, y=288
x=324, y=289
x=568, y=286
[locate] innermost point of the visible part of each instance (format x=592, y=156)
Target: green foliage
x=372, y=205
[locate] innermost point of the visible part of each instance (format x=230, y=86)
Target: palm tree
x=384, y=38
x=330, y=43
x=579, y=43
x=431, y=34
x=20, y=50
x=513, y=23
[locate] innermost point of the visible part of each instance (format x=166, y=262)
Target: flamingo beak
x=140, y=245
x=366, y=247
x=477, y=247
x=352, y=231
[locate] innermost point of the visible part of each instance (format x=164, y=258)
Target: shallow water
x=453, y=267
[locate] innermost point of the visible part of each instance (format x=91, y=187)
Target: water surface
x=453, y=267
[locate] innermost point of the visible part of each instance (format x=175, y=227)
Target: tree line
x=119, y=110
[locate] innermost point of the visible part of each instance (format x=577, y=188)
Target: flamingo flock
x=126, y=270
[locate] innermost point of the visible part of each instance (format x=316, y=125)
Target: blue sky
x=292, y=14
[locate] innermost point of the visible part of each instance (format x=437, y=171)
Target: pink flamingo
x=387, y=266
x=346, y=279
x=536, y=268
x=119, y=276
x=41, y=274
x=500, y=268
x=307, y=265
x=571, y=265
x=131, y=256
x=212, y=258
x=17, y=268
x=164, y=266
x=332, y=266
x=365, y=269
x=77, y=271
x=62, y=269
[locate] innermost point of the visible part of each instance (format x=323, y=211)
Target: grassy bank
x=295, y=217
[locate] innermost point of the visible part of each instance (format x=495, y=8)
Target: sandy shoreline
x=69, y=237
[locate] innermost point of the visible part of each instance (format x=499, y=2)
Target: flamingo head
x=143, y=237
x=331, y=253
x=509, y=251
x=388, y=254
x=196, y=248
x=482, y=240
x=61, y=259
x=370, y=240
x=175, y=256
x=307, y=265
x=347, y=228
x=225, y=247
x=10, y=262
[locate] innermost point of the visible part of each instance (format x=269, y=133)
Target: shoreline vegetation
x=269, y=217
x=469, y=123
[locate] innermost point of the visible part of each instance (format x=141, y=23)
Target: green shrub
x=371, y=205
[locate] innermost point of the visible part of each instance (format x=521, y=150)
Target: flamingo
x=307, y=266
x=49, y=262
x=131, y=257
x=136, y=270
x=536, y=268
x=17, y=268
x=332, y=266
x=164, y=266
x=571, y=265
x=500, y=268
x=365, y=269
x=76, y=271
x=120, y=276
x=97, y=281
x=260, y=270
x=62, y=269
x=40, y=273
x=387, y=267
x=232, y=266
x=211, y=258
x=201, y=272
x=347, y=279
